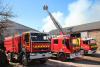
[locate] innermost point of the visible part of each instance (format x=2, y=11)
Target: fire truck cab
x=64, y=47
x=89, y=45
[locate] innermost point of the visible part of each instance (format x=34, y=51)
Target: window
x=39, y=37
x=64, y=41
x=45, y=38
x=75, y=35
x=34, y=38
x=85, y=42
x=92, y=41
x=27, y=37
x=56, y=41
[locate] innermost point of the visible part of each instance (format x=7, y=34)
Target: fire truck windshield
x=39, y=37
x=91, y=41
x=86, y=42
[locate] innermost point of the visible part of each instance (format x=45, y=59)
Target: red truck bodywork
x=88, y=45
x=63, y=45
x=59, y=47
x=12, y=44
x=26, y=44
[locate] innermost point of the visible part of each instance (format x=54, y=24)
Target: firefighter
x=3, y=57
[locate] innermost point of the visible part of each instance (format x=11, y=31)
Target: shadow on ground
x=83, y=61
x=87, y=61
x=95, y=55
x=48, y=64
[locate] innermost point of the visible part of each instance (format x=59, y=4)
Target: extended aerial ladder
x=58, y=26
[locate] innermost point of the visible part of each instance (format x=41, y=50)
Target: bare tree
x=5, y=13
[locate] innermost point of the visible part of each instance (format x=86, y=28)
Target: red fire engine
x=28, y=46
x=89, y=45
x=64, y=47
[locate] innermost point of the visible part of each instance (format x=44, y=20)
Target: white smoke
x=48, y=24
x=77, y=13
x=80, y=12
x=93, y=14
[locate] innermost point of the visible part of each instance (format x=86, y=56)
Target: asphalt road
x=56, y=63
x=86, y=61
x=50, y=63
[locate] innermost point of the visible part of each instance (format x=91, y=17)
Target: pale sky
x=67, y=12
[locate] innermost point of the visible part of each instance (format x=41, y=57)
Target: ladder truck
x=64, y=47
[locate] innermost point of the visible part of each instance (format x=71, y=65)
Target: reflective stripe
x=78, y=39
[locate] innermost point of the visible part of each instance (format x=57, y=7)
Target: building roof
x=80, y=28
x=14, y=27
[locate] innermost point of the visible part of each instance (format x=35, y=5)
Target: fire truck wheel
x=24, y=60
x=11, y=57
x=20, y=58
x=86, y=53
x=42, y=61
x=62, y=56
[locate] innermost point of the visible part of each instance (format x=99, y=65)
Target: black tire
x=24, y=60
x=12, y=59
x=43, y=61
x=62, y=56
x=86, y=53
x=19, y=58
